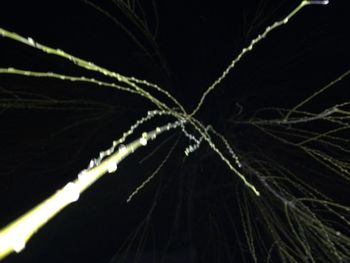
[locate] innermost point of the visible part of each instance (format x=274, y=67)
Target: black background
x=42, y=149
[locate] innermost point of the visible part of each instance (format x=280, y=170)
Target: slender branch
x=14, y=236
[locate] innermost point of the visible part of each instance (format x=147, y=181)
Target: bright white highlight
x=16, y=241
x=71, y=192
x=311, y=2
x=112, y=167
x=122, y=148
x=143, y=139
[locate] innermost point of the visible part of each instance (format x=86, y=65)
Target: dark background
x=45, y=144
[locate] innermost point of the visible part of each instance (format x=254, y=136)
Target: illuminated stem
x=15, y=235
x=250, y=47
x=329, y=85
x=129, y=81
